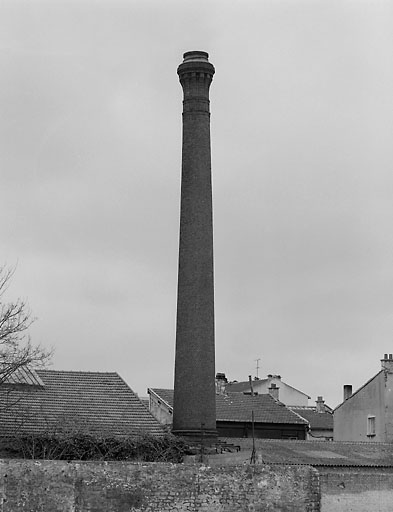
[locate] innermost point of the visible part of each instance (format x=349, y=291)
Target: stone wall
x=358, y=489
x=58, y=486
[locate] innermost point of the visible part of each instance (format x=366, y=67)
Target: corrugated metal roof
x=320, y=453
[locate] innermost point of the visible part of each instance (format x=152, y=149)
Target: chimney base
x=206, y=437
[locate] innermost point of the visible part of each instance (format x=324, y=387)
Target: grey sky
x=302, y=125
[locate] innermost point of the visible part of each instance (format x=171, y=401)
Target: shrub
x=86, y=446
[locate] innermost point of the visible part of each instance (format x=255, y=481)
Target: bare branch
x=16, y=349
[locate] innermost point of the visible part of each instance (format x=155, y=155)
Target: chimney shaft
x=221, y=382
x=320, y=404
x=347, y=391
x=274, y=391
x=251, y=386
x=194, y=388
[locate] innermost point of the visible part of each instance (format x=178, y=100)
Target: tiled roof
x=317, y=420
x=319, y=453
x=97, y=402
x=145, y=400
x=239, y=387
x=239, y=407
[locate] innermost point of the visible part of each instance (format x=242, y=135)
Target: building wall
x=160, y=411
x=261, y=430
x=287, y=395
x=356, y=489
x=350, y=419
x=320, y=435
x=389, y=405
x=57, y=486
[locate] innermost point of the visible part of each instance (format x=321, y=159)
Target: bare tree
x=16, y=349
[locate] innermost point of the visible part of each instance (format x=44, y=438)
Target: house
x=274, y=385
x=320, y=419
x=367, y=414
x=234, y=411
x=51, y=401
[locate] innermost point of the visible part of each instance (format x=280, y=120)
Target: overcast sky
x=302, y=158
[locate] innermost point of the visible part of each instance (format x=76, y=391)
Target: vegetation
x=85, y=446
x=70, y=440
x=16, y=349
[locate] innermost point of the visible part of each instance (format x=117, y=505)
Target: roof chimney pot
x=320, y=404
x=387, y=363
x=347, y=391
x=274, y=390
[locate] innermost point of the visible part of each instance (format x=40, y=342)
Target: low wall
x=58, y=486
x=358, y=489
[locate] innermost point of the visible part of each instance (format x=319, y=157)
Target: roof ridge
x=359, y=389
x=91, y=372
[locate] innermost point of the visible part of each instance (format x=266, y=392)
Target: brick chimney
x=387, y=363
x=221, y=382
x=194, y=402
x=274, y=390
x=320, y=404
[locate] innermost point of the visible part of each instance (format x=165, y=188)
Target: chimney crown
x=221, y=376
x=195, y=62
x=387, y=363
x=196, y=56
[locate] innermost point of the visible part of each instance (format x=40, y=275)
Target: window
x=370, y=426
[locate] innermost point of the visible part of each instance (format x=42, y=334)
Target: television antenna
x=257, y=367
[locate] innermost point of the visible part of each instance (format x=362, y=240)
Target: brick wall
x=58, y=486
x=356, y=489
